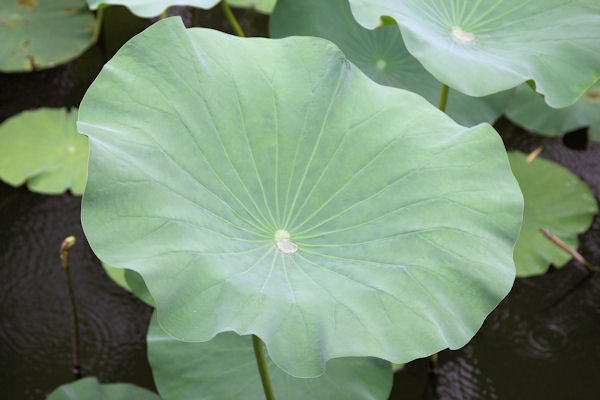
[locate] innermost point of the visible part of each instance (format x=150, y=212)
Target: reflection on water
x=35, y=341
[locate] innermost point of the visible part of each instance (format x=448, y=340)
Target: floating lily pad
x=380, y=54
x=529, y=110
x=270, y=187
x=225, y=368
x=152, y=8
x=42, y=148
x=483, y=47
x=555, y=199
x=264, y=6
x=40, y=34
x=91, y=389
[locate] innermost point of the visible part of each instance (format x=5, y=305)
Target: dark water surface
x=542, y=342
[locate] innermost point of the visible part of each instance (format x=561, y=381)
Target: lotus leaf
x=131, y=281
x=42, y=148
x=225, y=368
x=40, y=34
x=480, y=47
x=269, y=187
x=264, y=6
x=152, y=8
x=555, y=199
x=528, y=109
x=117, y=275
x=91, y=389
x=380, y=54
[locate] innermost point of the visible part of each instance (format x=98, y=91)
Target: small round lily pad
x=42, y=148
x=225, y=368
x=38, y=34
x=528, y=109
x=91, y=389
x=555, y=199
x=483, y=47
x=379, y=53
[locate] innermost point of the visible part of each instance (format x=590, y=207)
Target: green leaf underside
x=117, y=275
x=264, y=6
x=41, y=34
x=480, y=47
x=131, y=281
x=404, y=221
x=528, y=109
x=555, y=199
x=152, y=8
x=43, y=148
x=380, y=54
x=91, y=389
x=225, y=368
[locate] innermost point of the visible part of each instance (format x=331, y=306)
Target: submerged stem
x=262, y=368
x=232, y=20
x=578, y=257
x=64, y=260
x=443, y=97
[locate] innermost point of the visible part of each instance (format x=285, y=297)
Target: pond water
x=540, y=343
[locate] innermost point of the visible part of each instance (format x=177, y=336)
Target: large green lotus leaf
x=91, y=389
x=264, y=6
x=39, y=34
x=555, y=199
x=152, y=8
x=380, y=54
x=528, y=109
x=43, y=148
x=480, y=47
x=225, y=368
x=269, y=187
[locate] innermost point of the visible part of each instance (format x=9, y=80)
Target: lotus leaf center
x=284, y=243
x=381, y=64
x=462, y=35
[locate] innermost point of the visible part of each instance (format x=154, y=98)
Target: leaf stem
x=443, y=97
x=262, y=367
x=99, y=18
x=64, y=260
x=578, y=257
x=232, y=20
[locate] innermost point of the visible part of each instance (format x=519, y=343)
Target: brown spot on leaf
x=592, y=94
x=70, y=10
x=26, y=43
x=33, y=65
x=28, y=4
